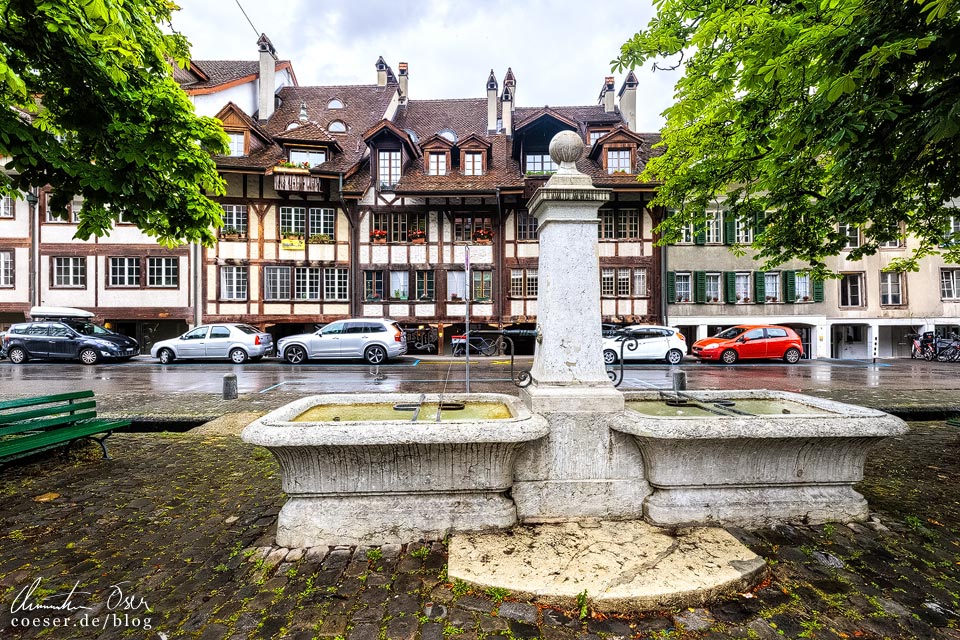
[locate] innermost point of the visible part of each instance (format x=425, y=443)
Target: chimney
x=507, y=109
x=492, y=103
x=381, y=72
x=628, y=100
x=606, y=94
x=403, y=83
x=303, y=113
x=268, y=83
x=510, y=81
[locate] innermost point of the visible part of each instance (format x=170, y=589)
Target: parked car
x=376, y=340
x=750, y=341
x=236, y=342
x=645, y=342
x=81, y=321
x=59, y=341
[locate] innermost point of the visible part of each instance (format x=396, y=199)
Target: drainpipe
x=198, y=269
x=34, y=261
x=663, y=285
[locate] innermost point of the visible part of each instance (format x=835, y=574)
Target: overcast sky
x=560, y=51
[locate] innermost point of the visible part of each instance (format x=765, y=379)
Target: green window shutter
x=730, y=286
x=759, y=223
x=671, y=286
x=700, y=294
x=701, y=236
x=759, y=287
x=818, y=290
x=729, y=233
x=789, y=286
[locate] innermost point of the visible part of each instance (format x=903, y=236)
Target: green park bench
x=30, y=425
x=954, y=421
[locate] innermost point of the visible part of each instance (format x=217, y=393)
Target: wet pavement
x=176, y=532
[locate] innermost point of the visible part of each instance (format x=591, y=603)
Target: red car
x=751, y=341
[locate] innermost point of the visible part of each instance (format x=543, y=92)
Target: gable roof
x=210, y=76
x=392, y=129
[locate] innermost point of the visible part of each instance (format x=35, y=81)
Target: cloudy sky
x=560, y=51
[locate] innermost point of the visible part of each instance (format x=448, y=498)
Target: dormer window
x=312, y=157
x=336, y=103
x=596, y=134
x=437, y=164
x=472, y=163
x=619, y=161
x=540, y=163
x=449, y=134
x=388, y=169
x=337, y=126
x=237, y=143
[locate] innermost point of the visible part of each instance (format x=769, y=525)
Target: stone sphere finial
x=565, y=149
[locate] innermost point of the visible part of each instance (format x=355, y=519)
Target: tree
x=814, y=113
x=90, y=108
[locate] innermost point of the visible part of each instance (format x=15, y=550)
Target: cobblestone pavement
x=184, y=523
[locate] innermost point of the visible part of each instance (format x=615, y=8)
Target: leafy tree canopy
x=815, y=112
x=88, y=106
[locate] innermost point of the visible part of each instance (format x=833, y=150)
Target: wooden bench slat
x=60, y=397
x=954, y=422
x=48, y=410
x=61, y=435
x=41, y=425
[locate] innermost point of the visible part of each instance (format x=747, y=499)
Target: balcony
x=297, y=182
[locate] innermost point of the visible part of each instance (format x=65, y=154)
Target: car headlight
x=710, y=346
x=106, y=344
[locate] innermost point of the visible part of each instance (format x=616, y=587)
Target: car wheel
x=792, y=356
x=166, y=356
x=238, y=356
x=729, y=356
x=375, y=354
x=17, y=355
x=674, y=356
x=295, y=354
x=89, y=356
x=609, y=356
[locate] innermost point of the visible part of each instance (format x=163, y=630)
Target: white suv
x=645, y=342
x=376, y=340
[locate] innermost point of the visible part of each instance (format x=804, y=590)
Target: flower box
x=378, y=236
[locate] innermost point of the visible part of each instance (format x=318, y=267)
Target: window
x=425, y=289
x=337, y=126
x=597, y=134
x=742, y=287
x=482, y=285
x=608, y=282
x=686, y=234
x=70, y=214
x=623, y=283
x=388, y=173
x=742, y=231
x=6, y=269
x=6, y=207
x=400, y=285
x=952, y=233
x=293, y=220
x=683, y=287
x=438, y=164
x=472, y=163
x=69, y=272
x=620, y=224
x=852, y=236
x=540, y=163
x=233, y=283
x=890, y=289
x=276, y=283
x=466, y=226
x=803, y=287
x=526, y=225
x=235, y=217
x=456, y=285
x=618, y=160
x=163, y=272
x=640, y=283
x=399, y=225
x=321, y=221
x=949, y=284
x=312, y=157
x=897, y=242
x=373, y=285
x=335, y=281
x=237, y=143
x=336, y=103
x=771, y=286
x=524, y=283
x=124, y=272
x=714, y=228
x=712, y=283
x=851, y=286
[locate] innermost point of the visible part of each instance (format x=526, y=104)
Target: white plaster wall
x=21, y=277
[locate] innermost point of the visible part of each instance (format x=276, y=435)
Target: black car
x=68, y=340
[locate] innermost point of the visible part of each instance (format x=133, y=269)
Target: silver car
x=236, y=342
x=376, y=340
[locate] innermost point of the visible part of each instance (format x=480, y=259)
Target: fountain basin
x=391, y=481
x=754, y=470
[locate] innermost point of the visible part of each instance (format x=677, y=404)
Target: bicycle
x=478, y=345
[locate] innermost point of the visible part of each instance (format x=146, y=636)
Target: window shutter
x=789, y=286
x=730, y=282
x=700, y=294
x=701, y=236
x=818, y=290
x=759, y=223
x=729, y=232
x=671, y=286
x=759, y=287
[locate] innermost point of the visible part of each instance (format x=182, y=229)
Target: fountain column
x=583, y=468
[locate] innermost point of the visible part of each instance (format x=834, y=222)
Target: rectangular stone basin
x=753, y=470
x=356, y=476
